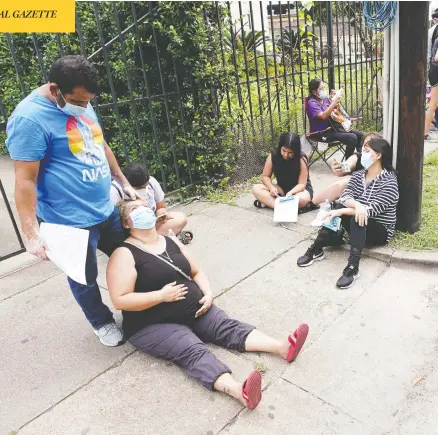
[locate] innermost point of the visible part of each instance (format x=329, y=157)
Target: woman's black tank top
x=153, y=274
x=287, y=172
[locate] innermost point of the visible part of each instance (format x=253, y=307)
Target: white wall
x=257, y=19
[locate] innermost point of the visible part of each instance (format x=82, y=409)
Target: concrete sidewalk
x=367, y=366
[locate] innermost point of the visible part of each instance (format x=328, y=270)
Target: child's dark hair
x=314, y=84
x=136, y=174
x=382, y=147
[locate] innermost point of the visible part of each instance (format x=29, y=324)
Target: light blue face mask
x=323, y=94
x=143, y=218
x=366, y=160
x=71, y=109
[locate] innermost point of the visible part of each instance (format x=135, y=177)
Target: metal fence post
x=331, y=66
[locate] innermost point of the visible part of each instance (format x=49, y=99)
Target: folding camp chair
x=316, y=138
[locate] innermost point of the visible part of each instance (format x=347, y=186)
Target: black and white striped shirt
x=380, y=197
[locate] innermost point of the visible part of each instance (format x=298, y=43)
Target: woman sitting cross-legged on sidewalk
x=289, y=166
x=168, y=311
x=367, y=209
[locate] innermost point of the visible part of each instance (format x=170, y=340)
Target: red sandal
x=296, y=341
x=252, y=389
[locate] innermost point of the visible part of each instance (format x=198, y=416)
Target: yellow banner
x=40, y=16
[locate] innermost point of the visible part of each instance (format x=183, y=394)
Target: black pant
x=352, y=140
x=373, y=234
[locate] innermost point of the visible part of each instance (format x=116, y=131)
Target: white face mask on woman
x=366, y=159
x=143, y=218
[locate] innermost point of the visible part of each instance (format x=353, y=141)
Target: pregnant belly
x=170, y=311
x=166, y=312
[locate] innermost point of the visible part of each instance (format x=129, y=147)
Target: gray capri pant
x=185, y=346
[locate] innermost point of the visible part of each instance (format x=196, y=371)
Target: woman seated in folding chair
x=289, y=166
x=319, y=108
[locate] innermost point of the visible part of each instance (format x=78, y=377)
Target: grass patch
x=261, y=367
x=227, y=194
x=427, y=238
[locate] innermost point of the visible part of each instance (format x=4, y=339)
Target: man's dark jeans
x=106, y=236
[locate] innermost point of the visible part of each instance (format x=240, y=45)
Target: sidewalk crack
x=325, y=402
x=116, y=364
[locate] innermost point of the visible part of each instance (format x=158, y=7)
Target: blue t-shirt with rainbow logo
x=74, y=180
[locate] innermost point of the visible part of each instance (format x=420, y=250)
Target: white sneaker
x=110, y=335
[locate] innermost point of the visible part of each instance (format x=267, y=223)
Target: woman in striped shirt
x=367, y=209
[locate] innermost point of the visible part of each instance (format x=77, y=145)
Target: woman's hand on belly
x=206, y=303
x=173, y=292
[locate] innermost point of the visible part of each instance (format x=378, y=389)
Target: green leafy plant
x=165, y=74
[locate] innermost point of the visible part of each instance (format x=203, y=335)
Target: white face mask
x=71, y=109
x=143, y=218
x=366, y=160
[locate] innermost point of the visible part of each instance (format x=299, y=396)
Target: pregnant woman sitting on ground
x=168, y=310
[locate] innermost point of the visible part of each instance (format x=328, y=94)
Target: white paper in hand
x=286, y=209
x=320, y=218
x=67, y=248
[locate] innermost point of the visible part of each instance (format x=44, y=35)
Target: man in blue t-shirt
x=63, y=169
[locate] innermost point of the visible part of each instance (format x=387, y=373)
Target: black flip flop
x=258, y=204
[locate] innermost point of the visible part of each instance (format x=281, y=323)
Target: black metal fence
x=201, y=90
x=281, y=47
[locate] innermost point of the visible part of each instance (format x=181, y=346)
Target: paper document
x=286, y=209
x=67, y=248
x=320, y=218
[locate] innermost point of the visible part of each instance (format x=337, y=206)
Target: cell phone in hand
x=345, y=167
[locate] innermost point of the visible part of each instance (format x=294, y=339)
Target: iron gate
x=158, y=102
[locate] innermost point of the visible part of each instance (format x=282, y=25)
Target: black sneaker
x=429, y=138
x=310, y=256
x=349, y=275
x=309, y=207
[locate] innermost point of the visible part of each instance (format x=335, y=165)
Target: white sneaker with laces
x=110, y=335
